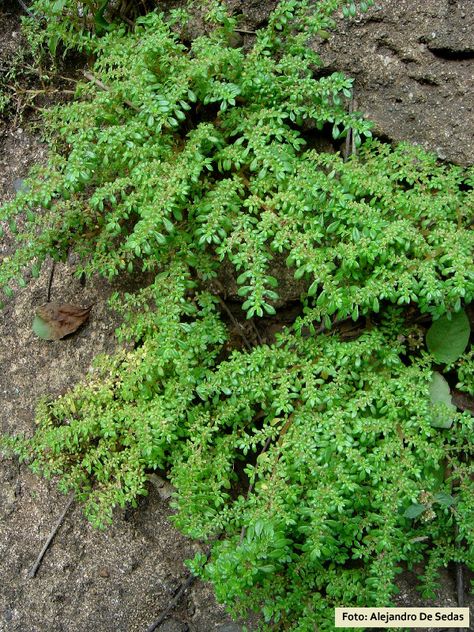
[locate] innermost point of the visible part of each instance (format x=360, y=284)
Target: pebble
x=8, y=615
x=19, y=185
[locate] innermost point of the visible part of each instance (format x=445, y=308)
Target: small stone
x=104, y=572
x=19, y=185
x=8, y=615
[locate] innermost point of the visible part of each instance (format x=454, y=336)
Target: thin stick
x=127, y=20
x=50, y=283
x=459, y=574
x=460, y=584
x=235, y=322
x=106, y=88
x=39, y=559
x=25, y=8
x=257, y=333
x=176, y=599
x=36, y=92
x=68, y=78
x=245, y=31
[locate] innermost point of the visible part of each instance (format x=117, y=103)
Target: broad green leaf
x=441, y=404
x=414, y=511
x=447, y=339
x=444, y=499
x=101, y=24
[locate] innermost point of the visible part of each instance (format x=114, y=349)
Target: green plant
x=16, y=72
x=318, y=458
x=77, y=24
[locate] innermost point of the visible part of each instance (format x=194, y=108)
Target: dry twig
x=25, y=8
x=235, y=322
x=100, y=84
x=176, y=599
x=350, y=148
x=39, y=559
x=50, y=282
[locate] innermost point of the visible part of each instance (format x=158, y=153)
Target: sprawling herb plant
x=318, y=459
x=64, y=25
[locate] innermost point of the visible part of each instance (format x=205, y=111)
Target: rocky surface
x=413, y=66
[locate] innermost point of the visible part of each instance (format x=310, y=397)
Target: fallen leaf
x=53, y=321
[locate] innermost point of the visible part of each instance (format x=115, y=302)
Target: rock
x=413, y=70
x=7, y=615
x=19, y=185
x=163, y=487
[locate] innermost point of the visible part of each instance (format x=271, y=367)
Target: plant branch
x=176, y=599
x=105, y=88
x=250, y=489
x=25, y=8
x=235, y=322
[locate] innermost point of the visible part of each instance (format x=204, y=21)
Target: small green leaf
x=269, y=309
x=313, y=288
x=447, y=339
